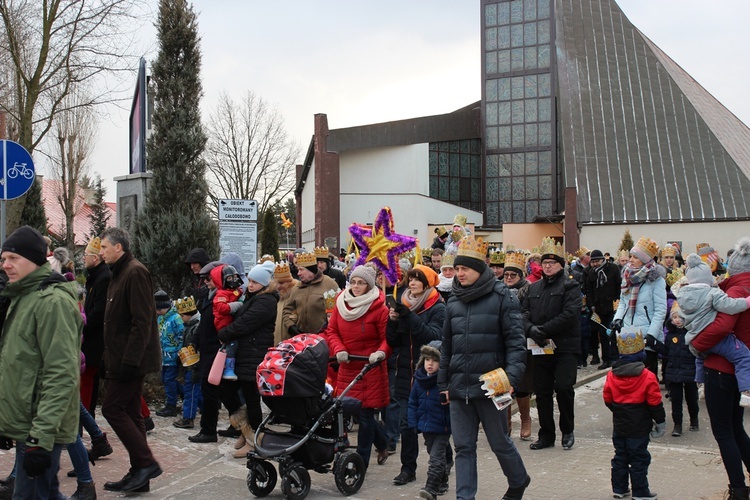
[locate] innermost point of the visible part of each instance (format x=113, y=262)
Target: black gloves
x=616, y=326
x=650, y=341
x=128, y=373
x=36, y=461
x=294, y=330
x=401, y=309
x=6, y=443
x=538, y=336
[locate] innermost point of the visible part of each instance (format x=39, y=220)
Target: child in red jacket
x=228, y=283
x=633, y=395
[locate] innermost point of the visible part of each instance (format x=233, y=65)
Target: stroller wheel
x=349, y=472
x=295, y=485
x=261, y=480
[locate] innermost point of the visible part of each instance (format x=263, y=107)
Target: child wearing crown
x=193, y=397
x=632, y=394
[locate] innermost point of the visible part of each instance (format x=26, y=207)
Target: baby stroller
x=305, y=429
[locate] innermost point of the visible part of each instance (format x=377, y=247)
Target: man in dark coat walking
x=131, y=351
x=552, y=311
x=602, y=290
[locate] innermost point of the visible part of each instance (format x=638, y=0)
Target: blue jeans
x=631, y=460
x=735, y=352
x=370, y=431
x=88, y=423
x=727, y=424
x=171, y=386
x=80, y=459
x=193, y=395
x=42, y=487
x=465, y=419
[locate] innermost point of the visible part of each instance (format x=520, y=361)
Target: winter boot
x=249, y=435
x=240, y=442
x=741, y=493
x=229, y=370
x=430, y=488
x=517, y=493
x=677, y=431
x=100, y=447
x=85, y=491
x=167, y=411
x=524, y=410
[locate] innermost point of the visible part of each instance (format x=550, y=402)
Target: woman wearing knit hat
x=722, y=393
x=414, y=321
x=282, y=275
x=252, y=329
x=357, y=327
x=643, y=298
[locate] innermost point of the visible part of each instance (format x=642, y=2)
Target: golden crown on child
x=630, y=342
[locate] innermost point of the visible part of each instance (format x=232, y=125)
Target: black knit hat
x=27, y=242
x=475, y=264
x=597, y=255
x=162, y=300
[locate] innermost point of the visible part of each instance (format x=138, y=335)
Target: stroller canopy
x=295, y=368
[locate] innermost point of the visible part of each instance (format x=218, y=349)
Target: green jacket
x=40, y=361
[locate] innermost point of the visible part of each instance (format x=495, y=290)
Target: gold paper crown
x=281, y=272
x=516, y=260
x=550, y=247
x=266, y=258
x=673, y=277
x=630, y=342
x=668, y=251
x=448, y=259
x=497, y=257
x=321, y=253
x=188, y=356
x=94, y=247
x=186, y=305
x=330, y=299
x=649, y=246
x=581, y=252
x=426, y=252
x=306, y=260
x=459, y=220
x=471, y=247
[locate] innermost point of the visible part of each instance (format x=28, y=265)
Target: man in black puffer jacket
x=483, y=330
x=552, y=311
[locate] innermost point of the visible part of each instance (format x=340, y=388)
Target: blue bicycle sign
x=17, y=170
x=20, y=169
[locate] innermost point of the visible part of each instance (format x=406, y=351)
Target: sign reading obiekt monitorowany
x=238, y=210
x=238, y=230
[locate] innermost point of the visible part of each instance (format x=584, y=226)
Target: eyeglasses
x=549, y=262
x=509, y=274
x=358, y=282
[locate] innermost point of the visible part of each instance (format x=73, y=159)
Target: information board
x=240, y=238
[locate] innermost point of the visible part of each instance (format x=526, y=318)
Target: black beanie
x=470, y=262
x=27, y=242
x=162, y=300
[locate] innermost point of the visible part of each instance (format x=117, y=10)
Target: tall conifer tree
x=174, y=218
x=99, y=214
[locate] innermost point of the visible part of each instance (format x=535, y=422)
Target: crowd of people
x=459, y=311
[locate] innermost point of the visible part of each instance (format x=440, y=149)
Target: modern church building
x=585, y=128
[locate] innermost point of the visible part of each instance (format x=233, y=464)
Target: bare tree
x=49, y=47
x=249, y=154
x=75, y=130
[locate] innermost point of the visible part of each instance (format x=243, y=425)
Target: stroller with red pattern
x=305, y=429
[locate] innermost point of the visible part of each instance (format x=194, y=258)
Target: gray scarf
x=482, y=286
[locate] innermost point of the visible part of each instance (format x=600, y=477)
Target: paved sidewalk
x=682, y=468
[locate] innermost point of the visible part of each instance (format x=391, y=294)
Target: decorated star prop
x=381, y=245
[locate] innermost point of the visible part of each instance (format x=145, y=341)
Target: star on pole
x=381, y=244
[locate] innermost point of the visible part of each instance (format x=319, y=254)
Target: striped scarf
x=632, y=279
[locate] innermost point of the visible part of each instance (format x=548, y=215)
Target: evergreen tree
x=33, y=213
x=627, y=242
x=99, y=215
x=269, y=235
x=174, y=218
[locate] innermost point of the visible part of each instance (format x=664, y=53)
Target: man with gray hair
x=131, y=351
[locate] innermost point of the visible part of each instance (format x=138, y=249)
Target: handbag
x=217, y=368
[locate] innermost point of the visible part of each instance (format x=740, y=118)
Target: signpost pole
x=5, y=192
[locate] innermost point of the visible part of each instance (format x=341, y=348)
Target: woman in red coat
x=357, y=327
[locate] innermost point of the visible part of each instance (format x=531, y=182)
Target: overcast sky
x=363, y=62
